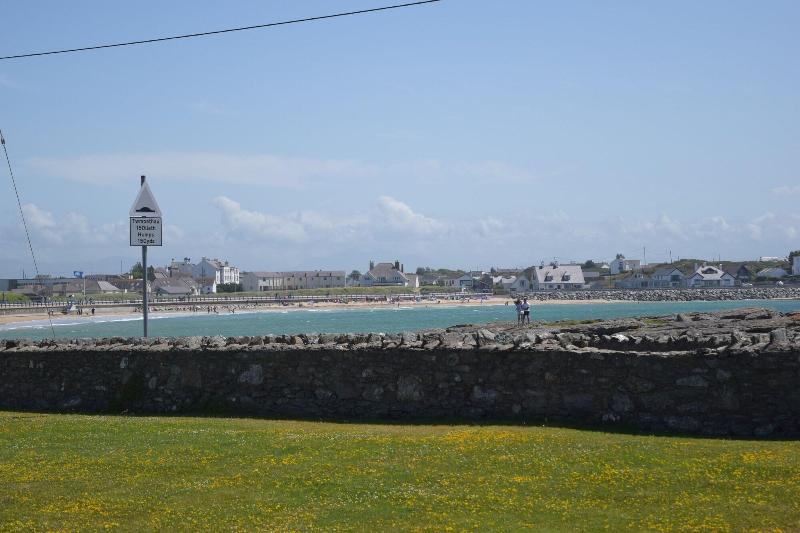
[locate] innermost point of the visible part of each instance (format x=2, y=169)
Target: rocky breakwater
x=672, y=295
x=728, y=373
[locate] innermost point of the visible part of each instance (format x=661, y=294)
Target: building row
x=702, y=276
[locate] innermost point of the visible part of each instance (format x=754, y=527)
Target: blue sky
x=467, y=133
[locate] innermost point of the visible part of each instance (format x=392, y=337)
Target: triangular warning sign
x=145, y=204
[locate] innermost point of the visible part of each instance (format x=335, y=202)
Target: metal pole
x=144, y=288
x=144, y=283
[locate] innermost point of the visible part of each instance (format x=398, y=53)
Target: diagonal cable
x=217, y=32
x=25, y=225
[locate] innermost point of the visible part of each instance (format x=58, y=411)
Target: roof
x=666, y=271
x=383, y=269
x=310, y=273
x=559, y=274
x=263, y=274
x=107, y=287
x=709, y=273
x=771, y=271
x=174, y=289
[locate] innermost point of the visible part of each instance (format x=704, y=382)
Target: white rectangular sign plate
x=145, y=231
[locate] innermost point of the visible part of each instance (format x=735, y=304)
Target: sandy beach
x=226, y=308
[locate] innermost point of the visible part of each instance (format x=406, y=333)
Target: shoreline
x=14, y=321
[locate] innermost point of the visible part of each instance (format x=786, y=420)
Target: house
x=430, y=279
x=413, y=280
x=180, y=289
x=556, y=277
x=667, y=277
x=740, y=272
x=512, y=284
x=635, y=280
x=771, y=273
x=385, y=274
x=710, y=276
x=261, y=281
x=620, y=265
x=292, y=280
x=83, y=286
x=221, y=271
x=796, y=265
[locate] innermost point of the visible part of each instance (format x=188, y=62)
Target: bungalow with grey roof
x=710, y=276
x=557, y=277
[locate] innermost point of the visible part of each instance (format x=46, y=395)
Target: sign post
x=145, y=231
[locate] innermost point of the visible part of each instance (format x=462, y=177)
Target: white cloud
x=270, y=170
x=399, y=216
x=295, y=227
x=787, y=190
x=756, y=226
x=75, y=232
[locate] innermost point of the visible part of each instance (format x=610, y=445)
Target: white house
x=261, y=281
x=796, y=265
x=710, y=276
x=620, y=264
x=512, y=284
x=555, y=277
x=221, y=271
x=771, y=273
x=387, y=274
x=667, y=277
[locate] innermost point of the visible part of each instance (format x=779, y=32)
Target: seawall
x=729, y=373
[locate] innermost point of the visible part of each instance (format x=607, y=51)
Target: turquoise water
x=379, y=319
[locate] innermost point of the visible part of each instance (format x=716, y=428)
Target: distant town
x=181, y=278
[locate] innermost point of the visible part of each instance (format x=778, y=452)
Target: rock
x=483, y=395
x=373, y=394
x=253, y=375
x=777, y=336
x=486, y=334
x=723, y=375
x=692, y=381
x=582, y=401
x=409, y=389
x=621, y=403
x=682, y=318
x=683, y=423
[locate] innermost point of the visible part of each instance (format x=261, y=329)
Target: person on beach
x=518, y=306
x=526, y=311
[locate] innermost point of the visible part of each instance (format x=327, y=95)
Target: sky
x=463, y=134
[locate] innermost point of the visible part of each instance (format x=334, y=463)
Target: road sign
x=145, y=204
x=145, y=231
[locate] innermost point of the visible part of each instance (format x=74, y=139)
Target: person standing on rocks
x=518, y=305
x=526, y=311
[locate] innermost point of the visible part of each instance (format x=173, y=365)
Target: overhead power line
x=24, y=223
x=217, y=32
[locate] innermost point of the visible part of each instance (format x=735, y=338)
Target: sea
x=379, y=319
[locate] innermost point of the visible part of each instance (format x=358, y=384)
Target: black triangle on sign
x=145, y=204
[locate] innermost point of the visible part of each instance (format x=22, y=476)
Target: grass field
x=71, y=472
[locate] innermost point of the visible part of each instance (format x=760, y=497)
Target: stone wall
x=714, y=379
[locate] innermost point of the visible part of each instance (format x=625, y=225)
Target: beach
x=123, y=311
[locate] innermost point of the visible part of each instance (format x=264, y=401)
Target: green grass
x=71, y=472
x=13, y=297
x=336, y=291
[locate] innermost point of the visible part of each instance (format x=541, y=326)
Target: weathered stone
x=683, y=423
x=409, y=388
x=254, y=375
x=480, y=394
x=723, y=375
x=778, y=336
x=692, y=381
x=621, y=403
